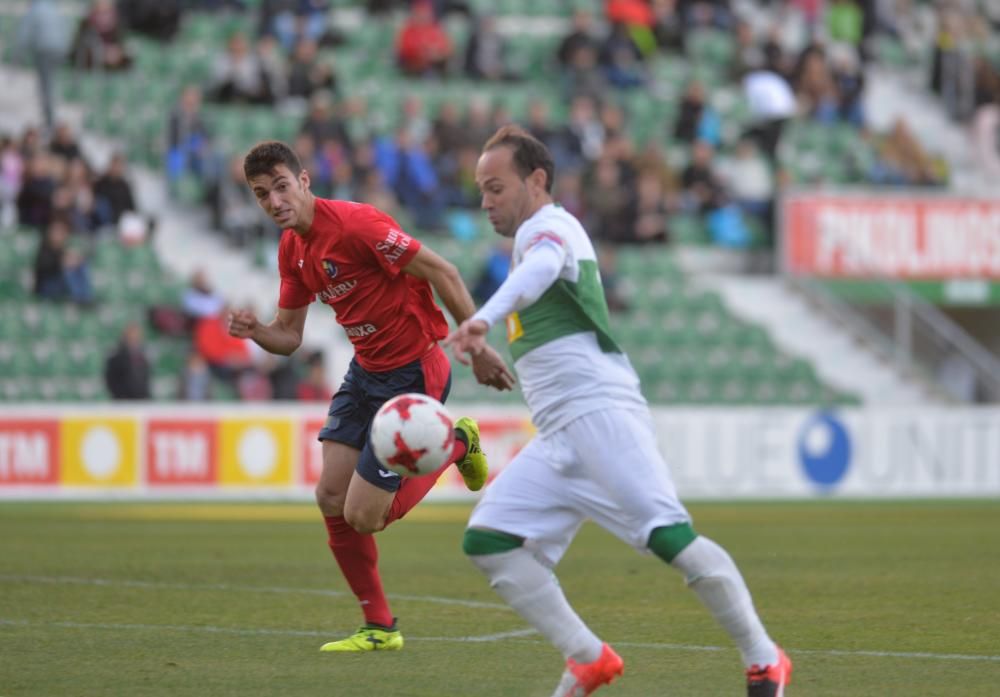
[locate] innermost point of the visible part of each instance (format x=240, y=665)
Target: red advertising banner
x=181, y=452
x=29, y=452
x=845, y=236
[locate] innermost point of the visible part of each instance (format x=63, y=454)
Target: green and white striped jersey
x=566, y=359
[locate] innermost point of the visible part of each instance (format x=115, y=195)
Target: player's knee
x=670, y=540
x=330, y=502
x=480, y=541
x=364, y=521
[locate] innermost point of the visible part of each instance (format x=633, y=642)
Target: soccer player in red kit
x=379, y=281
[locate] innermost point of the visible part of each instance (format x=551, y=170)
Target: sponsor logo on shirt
x=332, y=292
x=301, y=263
x=330, y=268
x=393, y=246
x=360, y=330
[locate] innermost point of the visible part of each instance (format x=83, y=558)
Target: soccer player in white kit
x=595, y=455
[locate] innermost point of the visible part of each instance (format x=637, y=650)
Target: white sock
x=712, y=574
x=532, y=590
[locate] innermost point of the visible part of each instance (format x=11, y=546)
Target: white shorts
x=604, y=466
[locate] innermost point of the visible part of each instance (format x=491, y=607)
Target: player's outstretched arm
x=487, y=365
x=282, y=336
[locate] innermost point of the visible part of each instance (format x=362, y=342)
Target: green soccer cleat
x=368, y=639
x=473, y=466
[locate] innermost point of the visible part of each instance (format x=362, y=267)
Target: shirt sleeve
x=540, y=268
x=382, y=237
x=293, y=293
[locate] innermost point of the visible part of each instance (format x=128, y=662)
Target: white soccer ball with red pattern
x=413, y=434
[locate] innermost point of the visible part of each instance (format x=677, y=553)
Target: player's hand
x=468, y=340
x=242, y=323
x=489, y=368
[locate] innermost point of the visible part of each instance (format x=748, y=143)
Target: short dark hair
x=265, y=157
x=529, y=152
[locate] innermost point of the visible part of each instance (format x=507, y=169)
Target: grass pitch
x=184, y=600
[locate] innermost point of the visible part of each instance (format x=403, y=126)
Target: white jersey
x=565, y=358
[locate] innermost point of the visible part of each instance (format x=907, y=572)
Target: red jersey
x=352, y=260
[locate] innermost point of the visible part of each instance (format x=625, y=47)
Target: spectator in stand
x=292, y=21
x=584, y=77
x=570, y=194
x=667, y=26
x=494, y=270
x=34, y=200
x=423, y=47
x=902, y=161
x=11, y=176
x=447, y=130
x=486, y=52
x=274, y=67
x=61, y=272
x=195, y=380
x=607, y=201
x=314, y=387
x=748, y=55
x=113, y=191
x=584, y=131
x=236, y=213
x=43, y=38
x=126, y=371
x=581, y=37
x=702, y=190
x=647, y=212
x=199, y=299
x=74, y=199
x=697, y=120
x=620, y=58
x=814, y=86
x=771, y=101
x=408, y=171
x=953, y=68
x=99, y=44
x=189, y=142
x=323, y=123
x=239, y=75
x=844, y=23
x=307, y=74
x=747, y=177
x=849, y=80
x=64, y=143
x=228, y=357
x=157, y=19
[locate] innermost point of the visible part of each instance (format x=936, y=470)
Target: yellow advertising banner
x=99, y=452
x=255, y=452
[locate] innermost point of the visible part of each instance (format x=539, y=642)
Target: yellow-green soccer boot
x=368, y=639
x=473, y=466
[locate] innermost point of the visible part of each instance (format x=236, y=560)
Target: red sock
x=413, y=490
x=460, y=450
x=357, y=556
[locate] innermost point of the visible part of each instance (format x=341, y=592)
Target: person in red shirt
x=423, y=46
x=379, y=282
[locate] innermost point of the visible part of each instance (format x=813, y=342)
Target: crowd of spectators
x=697, y=165
x=806, y=63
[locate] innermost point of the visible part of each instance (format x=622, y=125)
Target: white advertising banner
x=801, y=453
x=270, y=451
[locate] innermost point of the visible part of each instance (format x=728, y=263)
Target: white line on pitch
x=514, y=635
x=125, y=583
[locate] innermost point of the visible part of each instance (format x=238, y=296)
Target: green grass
x=873, y=599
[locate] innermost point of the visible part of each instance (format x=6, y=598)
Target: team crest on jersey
x=330, y=268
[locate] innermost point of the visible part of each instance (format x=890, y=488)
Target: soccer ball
x=413, y=434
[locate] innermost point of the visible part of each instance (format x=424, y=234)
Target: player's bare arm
x=282, y=336
x=487, y=365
